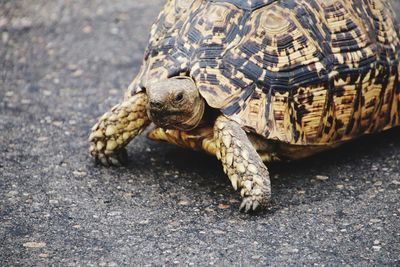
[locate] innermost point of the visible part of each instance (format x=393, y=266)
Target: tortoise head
x=175, y=103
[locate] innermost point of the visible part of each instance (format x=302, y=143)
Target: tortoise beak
x=163, y=118
x=156, y=114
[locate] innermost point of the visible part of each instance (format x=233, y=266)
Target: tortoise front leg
x=242, y=164
x=116, y=128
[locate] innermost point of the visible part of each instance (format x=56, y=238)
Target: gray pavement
x=62, y=64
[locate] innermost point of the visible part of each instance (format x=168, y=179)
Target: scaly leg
x=116, y=128
x=242, y=164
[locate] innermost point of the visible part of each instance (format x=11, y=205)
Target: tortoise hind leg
x=116, y=128
x=242, y=164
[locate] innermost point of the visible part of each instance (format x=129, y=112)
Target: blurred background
x=64, y=63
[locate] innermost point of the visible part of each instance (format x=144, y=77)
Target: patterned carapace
x=303, y=72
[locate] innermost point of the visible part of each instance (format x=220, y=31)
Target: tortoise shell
x=303, y=72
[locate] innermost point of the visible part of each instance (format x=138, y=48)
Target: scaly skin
x=116, y=128
x=242, y=164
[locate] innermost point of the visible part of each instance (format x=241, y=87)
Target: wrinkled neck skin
x=175, y=103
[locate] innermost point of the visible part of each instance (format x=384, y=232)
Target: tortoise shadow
x=287, y=177
x=348, y=159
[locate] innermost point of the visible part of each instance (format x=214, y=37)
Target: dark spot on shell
x=339, y=124
x=310, y=99
x=339, y=92
x=330, y=120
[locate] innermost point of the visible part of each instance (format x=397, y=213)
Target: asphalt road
x=62, y=64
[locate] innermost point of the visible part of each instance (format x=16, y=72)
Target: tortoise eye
x=179, y=97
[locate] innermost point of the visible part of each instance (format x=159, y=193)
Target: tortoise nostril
x=156, y=104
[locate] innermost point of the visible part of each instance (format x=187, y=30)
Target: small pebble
x=34, y=244
x=72, y=67
x=114, y=213
x=12, y=193
x=184, y=203
x=46, y=92
x=77, y=73
x=53, y=201
x=322, y=177
x=339, y=186
x=223, y=206
x=3, y=22
x=376, y=248
x=375, y=220
x=87, y=29
x=209, y=209
x=57, y=123
x=218, y=232
x=21, y=23
x=114, y=31
x=42, y=138
x=79, y=173
x=5, y=37
x=114, y=91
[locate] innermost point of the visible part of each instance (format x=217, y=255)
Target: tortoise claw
x=118, y=158
x=249, y=204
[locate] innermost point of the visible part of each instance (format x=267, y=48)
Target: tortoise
x=256, y=81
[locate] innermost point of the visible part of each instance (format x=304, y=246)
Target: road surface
x=64, y=63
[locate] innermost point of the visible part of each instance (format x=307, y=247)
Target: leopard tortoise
x=252, y=81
